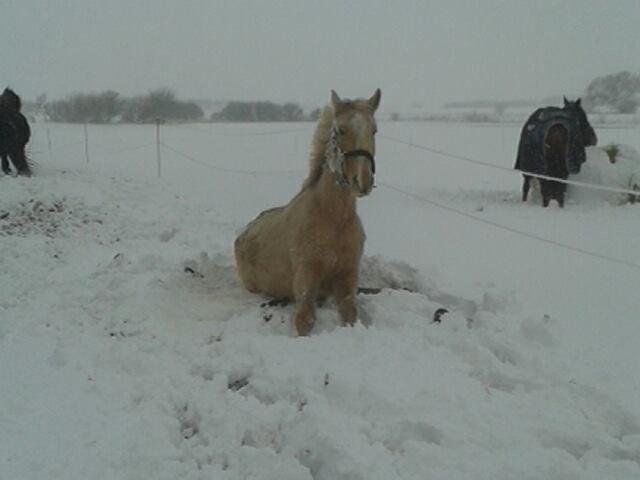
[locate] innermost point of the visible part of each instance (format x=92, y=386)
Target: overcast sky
x=414, y=50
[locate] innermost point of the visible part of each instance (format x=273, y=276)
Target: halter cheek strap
x=335, y=157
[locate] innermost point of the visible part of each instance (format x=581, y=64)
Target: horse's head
x=10, y=100
x=352, y=149
x=585, y=131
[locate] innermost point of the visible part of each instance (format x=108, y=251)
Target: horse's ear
x=578, y=102
x=335, y=99
x=566, y=102
x=374, y=101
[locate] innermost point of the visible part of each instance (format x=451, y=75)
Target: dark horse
x=552, y=143
x=14, y=134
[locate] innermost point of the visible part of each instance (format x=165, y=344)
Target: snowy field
x=129, y=351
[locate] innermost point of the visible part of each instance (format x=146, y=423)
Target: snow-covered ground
x=129, y=351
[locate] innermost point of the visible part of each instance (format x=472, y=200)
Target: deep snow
x=128, y=350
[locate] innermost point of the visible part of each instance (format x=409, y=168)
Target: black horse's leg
x=563, y=193
x=19, y=160
x=5, y=164
x=526, y=184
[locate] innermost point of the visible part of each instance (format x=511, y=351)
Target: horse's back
x=530, y=157
x=18, y=124
x=261, y=253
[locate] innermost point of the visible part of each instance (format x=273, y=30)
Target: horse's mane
x=319, y=146
x=10, y=99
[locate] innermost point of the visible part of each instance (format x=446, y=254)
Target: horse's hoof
x=303, y=327
x=437, y=316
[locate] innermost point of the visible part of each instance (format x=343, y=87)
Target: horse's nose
x=366, y=185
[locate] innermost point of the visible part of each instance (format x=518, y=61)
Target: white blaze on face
x=359, y=125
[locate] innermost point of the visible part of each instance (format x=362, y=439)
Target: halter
x=335, y=157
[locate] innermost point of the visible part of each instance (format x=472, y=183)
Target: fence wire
x=225, y=169
x=510, y=170
x=507, y=228
x=404, y=192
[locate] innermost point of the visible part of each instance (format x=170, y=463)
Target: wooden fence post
x=158, y=121
x=86, y=142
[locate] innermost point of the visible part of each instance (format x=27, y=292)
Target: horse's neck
x=333, y=196
x=9, y=105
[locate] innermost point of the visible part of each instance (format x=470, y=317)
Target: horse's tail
x=22, y=128
x=23, y=163
x=556, y=150
x=556, y=141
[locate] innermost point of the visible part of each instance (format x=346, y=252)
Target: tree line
x=110, y=107
x=614, y=93
x=259, y=112
x=618, y=92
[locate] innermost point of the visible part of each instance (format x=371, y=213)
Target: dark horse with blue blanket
x=14, y=134
x=552, y=143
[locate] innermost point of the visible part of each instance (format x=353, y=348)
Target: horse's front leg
x=525, y=187
x=305, y=290
x=345, y=290
x=5, y=165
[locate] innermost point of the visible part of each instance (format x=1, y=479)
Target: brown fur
x=311, y=247
x=556, y=148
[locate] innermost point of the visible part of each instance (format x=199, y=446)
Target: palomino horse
x=311, y=247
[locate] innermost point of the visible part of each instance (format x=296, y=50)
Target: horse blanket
x=531, y=148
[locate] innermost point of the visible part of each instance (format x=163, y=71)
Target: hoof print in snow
x=214, y=339
x=240, y=383
x=437, y=316
x=193, y=272
x=275, y=302
x=168, y=235
x=377, y=290
x=189, y=422
x=368, y=291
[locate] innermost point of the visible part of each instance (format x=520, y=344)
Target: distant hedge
x=259, y=112
x=110, y=107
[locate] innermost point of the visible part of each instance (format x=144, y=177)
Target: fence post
x=158, y=147
x=49, y=145
x=86, y=142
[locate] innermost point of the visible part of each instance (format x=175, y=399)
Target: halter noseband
x=362, y=153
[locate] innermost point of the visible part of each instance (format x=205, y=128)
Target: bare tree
x=619, y=91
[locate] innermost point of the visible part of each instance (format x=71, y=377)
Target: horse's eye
x=340, y=131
